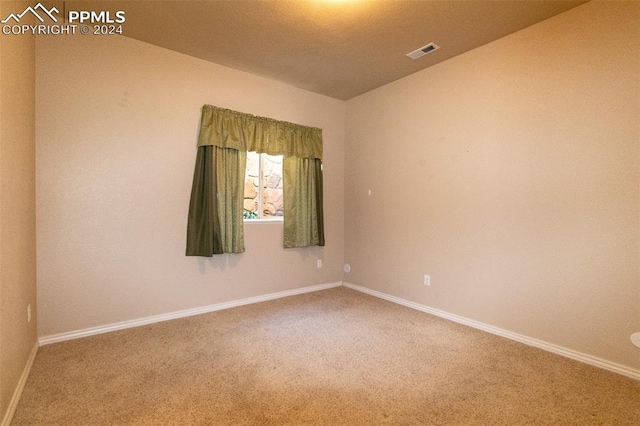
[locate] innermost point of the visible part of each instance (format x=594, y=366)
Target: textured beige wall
x=510, y=174
x=117, y=125
x=17, y=207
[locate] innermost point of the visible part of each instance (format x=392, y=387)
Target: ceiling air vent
x=423, y=51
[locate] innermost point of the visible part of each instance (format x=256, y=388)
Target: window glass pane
x=263, y=183
x=251, y=185
x=272, y=203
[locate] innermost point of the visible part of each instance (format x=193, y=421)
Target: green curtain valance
x=245, y=132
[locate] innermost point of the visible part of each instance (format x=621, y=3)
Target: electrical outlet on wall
x=319, y=263
x=427, y=280
x=29, y=312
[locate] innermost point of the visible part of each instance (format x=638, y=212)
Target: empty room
x=323, y=212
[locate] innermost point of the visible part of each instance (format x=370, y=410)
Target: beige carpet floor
x=335, y=357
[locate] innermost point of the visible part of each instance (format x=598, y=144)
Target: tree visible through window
x=263, y=187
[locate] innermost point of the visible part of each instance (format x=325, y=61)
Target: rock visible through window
x=263, y=190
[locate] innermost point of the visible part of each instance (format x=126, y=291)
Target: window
x=263, y=190
x=215, y=224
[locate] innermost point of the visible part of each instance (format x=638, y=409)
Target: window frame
x=261, y=218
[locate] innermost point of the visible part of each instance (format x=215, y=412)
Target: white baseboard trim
x=568, y=353
x=55, y=338
x=13, y=404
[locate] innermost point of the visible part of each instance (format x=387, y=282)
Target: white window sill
x=274, y=220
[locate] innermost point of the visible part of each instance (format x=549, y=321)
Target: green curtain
x=303, y=209
x=203, y=226
x=230, y=188
x=215, y=223
x=215, y=211
x=245, y=132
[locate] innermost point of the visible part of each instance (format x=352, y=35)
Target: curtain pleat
x=203, y=226
x=230, y=170
x=318, y=199
x=303, y=207
x=215, y=211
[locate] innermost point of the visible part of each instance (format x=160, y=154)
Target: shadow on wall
x=230, y=261
x=220, y=262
